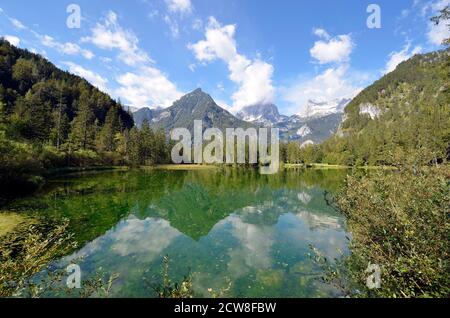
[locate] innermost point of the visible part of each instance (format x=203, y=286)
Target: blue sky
x=242, y=52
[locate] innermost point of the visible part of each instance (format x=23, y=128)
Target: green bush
x=20, y=167
x=52, y=158
x=399, y=221
x=84, y=158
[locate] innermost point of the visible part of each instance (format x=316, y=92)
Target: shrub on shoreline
x=400, y=222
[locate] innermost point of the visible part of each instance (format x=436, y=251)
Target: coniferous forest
x=50, y=119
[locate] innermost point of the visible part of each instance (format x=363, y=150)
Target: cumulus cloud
x=14, y=40
x=254, y=77
x=142, y=85
x=148, y=87
x=67, y=48
x=110, y=35
x=331, y=50
x=396, y=57
x=333, y=83
x=180, y=6
x=95, y=79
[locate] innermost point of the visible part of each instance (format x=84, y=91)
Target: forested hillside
x=52, y=119
x=406, y=111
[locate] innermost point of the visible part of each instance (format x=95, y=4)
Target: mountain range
x=314, y=126
x=320, y=122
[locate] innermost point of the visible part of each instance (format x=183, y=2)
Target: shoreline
x=324, y=166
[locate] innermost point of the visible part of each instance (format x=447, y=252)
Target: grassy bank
x=324, y=166
x=182, y=167
x=69, y=170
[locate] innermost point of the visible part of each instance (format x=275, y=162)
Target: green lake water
x=229, y=229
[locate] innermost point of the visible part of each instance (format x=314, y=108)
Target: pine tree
x=60, y=119
x=106, y=140
x=134, y=149
x=147, y=142
x=83, y=126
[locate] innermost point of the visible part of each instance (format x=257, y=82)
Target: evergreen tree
x=107, y=136
x=61, y=125
x=24, y=72
x=134, y=149
x=147, y=140
x=83, y=126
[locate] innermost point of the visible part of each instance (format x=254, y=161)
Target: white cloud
x=223, y=104
x=17, y=23
x=148, y=87
x=144, y=84
x=331, y=50
x=105, y=59
x=180, y=6
x=154, y=13
x=192, y=67
x=197, y=24
x=65, y=48
x=95, y=79
x=173, y=26
x=321, y=33
x=254, y=77
x=395, y=58
x=110, y=35
x=436, y=34
x=333, y=83
x=14, y=40
x=405, y=13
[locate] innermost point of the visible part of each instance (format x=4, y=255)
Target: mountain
x=196, y=105
x=311, y=129
x=143, y=114
x=130, y=109
x=266, y=115
x=324, y=108
x=421, y=79
x=402, y=116
x=199, y=105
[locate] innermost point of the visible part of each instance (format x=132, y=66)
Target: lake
x=232, y=230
